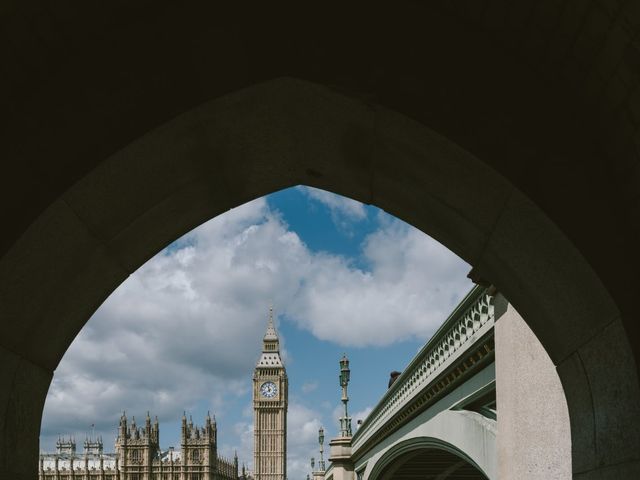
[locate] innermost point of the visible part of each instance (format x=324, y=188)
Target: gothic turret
x=66, y=446
x=136, y=447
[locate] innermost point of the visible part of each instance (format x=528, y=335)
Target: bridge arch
x=469, y=441
x=261, y=139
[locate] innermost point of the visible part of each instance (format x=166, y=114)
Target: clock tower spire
x=270, y=397
x=271, y=342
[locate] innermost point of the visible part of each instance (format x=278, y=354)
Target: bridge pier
x=340, y=458
x=534, y=437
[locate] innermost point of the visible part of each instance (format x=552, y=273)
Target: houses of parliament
x=138, y=455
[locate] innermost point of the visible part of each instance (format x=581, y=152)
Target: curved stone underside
x=262, y=139
x=467, y=435
x=431, y=464
x=506, y=131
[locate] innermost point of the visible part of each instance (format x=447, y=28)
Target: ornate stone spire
x=271, y=334
x=270, y=343
x=270, y=346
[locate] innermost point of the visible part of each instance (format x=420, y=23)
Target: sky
x=183, y=333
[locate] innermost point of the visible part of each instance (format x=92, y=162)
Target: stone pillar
x=340, y=458
x=534, y=437
x=24, y=389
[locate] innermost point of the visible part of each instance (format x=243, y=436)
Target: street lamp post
x=345, y=374
x=321, y=442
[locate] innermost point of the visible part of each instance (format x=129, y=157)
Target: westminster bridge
x=439, y=418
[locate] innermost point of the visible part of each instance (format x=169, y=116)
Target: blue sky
x=184, y=331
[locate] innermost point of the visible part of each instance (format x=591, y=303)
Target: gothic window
x=196, y=455
x=135, y=457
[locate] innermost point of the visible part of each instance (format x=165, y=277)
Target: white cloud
x=361, y=415
x=190, y=321
x=243, y=446
x=176, y=332
x=303, y=424
x=344, y=211
x=309, y=387
x=412, y=284
x=351, y=209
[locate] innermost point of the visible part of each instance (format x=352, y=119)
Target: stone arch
x=250, y=143
x=461, y=433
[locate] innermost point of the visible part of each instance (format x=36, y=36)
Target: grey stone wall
x=534, y=437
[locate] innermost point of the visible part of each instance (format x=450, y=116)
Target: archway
x=261, y=139
x=432, y=463
x=451, y=443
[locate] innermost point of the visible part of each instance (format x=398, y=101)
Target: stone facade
x=270, y=397
x=138, y=456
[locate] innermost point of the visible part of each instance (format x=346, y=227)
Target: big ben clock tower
x=270, y=391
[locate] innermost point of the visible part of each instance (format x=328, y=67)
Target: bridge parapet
x=471, y=320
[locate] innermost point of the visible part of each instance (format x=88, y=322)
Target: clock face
x=268, y=389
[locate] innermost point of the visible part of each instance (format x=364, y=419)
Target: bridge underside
x=431, y=463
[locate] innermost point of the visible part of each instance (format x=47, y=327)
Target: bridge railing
x=471, y=319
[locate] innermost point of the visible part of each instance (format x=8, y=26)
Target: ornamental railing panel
x=471, y=319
